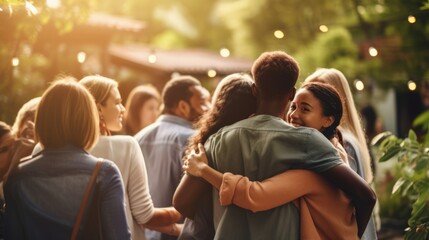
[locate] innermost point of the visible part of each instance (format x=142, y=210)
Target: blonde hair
x=67, y=115
x=100, y=87
x=351, y=120
x=25, y=113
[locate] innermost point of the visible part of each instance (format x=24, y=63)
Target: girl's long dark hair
x=232, y=101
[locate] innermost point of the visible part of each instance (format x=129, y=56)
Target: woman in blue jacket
x=43, y=196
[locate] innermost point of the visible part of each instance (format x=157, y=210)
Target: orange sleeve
x=270, y=193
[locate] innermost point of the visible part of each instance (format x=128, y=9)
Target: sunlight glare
x=54, y=4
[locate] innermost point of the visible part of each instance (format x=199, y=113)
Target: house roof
x=115, y=22
x=187, y=61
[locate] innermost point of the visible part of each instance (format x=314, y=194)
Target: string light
x=359, y=85
x=15, y=62
x=279, y=34
x=152, y=58
x=411, y=19
x=372, y=51
x=211, y=73
x=224, y=52
x=412, y=85
x=81, y=57
x=323, y=28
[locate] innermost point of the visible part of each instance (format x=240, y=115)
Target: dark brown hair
x=178, y=89
x=4, y=129
x=136, y=99
x=232, y=101
x=275, y=74
x=331, y=103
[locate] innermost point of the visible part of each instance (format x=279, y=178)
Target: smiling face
x=306, y=110
x=112, y=110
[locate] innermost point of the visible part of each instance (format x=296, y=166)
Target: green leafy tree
x=25, y=72
x=253, y=23
x=342, y=55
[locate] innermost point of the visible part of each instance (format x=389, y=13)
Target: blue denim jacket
x=44, y=195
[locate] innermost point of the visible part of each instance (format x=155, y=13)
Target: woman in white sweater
x=126, y=153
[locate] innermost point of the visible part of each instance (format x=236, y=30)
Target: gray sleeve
x=321, y=154
x=353, y=158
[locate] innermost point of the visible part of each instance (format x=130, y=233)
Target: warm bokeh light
x=373, y=51
x=15, y=62
x=81, y=57
x=361, y=9
x=211, y=73
x=323, y=28
x=152, y=58
x=412, y=85
x=411, y=19
x=379, y=8
x=359, y=85
x=279, y=34
x=31, y=9
x=224, y=52
x=54, y=4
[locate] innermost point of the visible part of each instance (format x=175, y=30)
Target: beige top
x=126, y=153
x=326, y=213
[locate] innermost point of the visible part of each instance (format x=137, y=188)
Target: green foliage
x=12, y=2
x=423, y=121
x=411, y=54
x=334, y=49
x=22, y=24
x=413, y=183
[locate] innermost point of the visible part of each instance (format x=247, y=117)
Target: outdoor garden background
x=382, y=46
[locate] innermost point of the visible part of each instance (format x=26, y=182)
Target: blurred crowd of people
x=255, y=159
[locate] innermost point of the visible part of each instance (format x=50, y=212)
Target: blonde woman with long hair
x=125, y=152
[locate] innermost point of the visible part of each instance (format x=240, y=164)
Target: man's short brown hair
x=275, y=74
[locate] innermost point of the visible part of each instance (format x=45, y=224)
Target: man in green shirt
x=264, y=145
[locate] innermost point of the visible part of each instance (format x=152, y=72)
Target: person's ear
x=183, y=108
x=328, y=121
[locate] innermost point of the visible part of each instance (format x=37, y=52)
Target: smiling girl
x=326, y=213
x=125, y=152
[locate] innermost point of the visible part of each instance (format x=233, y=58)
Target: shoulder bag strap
x=85, y=199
